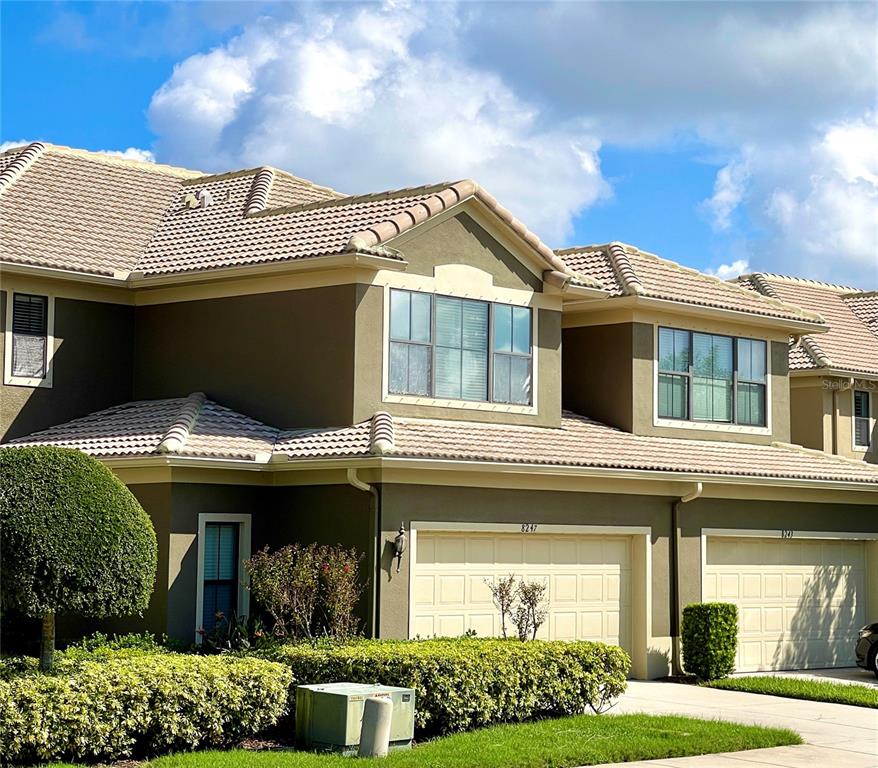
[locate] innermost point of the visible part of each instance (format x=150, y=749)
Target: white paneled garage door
x=800, y=601
x=588, y=577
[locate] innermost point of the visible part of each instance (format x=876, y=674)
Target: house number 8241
x=528, y=527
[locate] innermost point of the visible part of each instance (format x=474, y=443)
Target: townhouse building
x=263, y=360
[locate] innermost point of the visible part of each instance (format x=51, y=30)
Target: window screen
x=29, y=335
x=220, y=573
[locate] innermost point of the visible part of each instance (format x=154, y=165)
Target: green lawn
x=798, y=688
x=560, y=743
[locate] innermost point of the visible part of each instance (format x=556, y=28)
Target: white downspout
x=354, y=481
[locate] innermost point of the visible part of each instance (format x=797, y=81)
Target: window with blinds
x=29, y=335
x=460, y=349
x=862, y=419
x=712, y=378
x=221, y=563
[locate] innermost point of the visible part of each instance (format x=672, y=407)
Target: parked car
x=867, y=648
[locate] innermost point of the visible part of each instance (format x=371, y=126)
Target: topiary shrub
x=74, y=539
x=136, y=703
x=469, y=682
x=709, y=635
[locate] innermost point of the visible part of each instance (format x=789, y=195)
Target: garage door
x=588, y=578
x=800, y=601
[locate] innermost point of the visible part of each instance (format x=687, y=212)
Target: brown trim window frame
x=680, y=378
x=412, y=337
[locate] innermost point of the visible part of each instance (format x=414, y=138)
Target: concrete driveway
x=835, y=735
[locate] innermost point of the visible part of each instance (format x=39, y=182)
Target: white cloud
x=728, y=192
x=825, y=207
x=369, y=97
x=132, y=153
x=12, y=144
x=729, y=271
x=353, y=99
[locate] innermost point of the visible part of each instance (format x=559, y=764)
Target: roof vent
x=200, y=199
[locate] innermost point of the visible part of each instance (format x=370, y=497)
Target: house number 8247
x=528, y=527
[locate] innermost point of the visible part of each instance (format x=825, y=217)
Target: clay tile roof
x=624, y=270
x=586, y=443
x=190, y=426
x=208, y=430
x=83, y=211
x=851, y=342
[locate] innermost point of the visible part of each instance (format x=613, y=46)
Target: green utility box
x=328, y=716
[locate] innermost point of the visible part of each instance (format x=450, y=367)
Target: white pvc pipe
x=375, y=730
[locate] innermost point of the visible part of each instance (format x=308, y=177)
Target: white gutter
x=391, y=462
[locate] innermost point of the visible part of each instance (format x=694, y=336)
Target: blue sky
x=728, y=137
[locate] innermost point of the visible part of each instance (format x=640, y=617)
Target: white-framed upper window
x=29, y=339
x=711, y=378
x=862, y=419
x=223, y=546
x=460, y=349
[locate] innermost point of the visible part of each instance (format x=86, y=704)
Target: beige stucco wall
x=644, y=384
x=91, y=367
x=822, y=415
x=811, y=414
x=457, y=240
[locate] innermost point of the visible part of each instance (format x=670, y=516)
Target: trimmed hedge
x=135, y=703
x=470, y=682
x=709, y=637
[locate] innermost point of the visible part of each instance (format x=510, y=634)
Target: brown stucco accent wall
x=597, y=373
x=284, y=358
x=92, y=367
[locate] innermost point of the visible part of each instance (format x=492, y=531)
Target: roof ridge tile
x=381, y=435
x=260, y=188
x=178, y=433
x=808, y=281
x=624, y=269
x=25, y=159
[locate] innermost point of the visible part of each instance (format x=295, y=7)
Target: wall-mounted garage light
x=399, y=545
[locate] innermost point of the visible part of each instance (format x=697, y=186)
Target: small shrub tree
x=503, y=593
x=531, y=595
x=709, y=636
x=73, y=539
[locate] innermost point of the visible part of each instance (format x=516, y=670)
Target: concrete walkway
x=835, y=735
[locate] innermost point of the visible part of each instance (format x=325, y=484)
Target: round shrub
x=709, y=636
x=74, y=537
x=138, y=703
x=470, y=682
